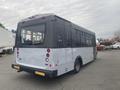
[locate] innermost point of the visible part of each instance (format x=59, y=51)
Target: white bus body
x=50, y=52
x=7, y=40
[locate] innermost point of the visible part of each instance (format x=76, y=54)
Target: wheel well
x=80, y=59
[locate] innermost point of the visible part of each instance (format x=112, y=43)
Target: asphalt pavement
x=102, y=74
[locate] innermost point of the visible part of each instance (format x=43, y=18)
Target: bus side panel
x=68, y=49
x=86, y=54
x=59, y=58
x=82, y=44
x=64, y=64
x=60, y=53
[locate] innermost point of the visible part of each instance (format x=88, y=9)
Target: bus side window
x=67, y=34
x=73, y=38
x=60, y=33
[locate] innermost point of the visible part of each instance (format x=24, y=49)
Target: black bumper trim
x=48, y=73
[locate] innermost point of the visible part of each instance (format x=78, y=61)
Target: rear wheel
x=77, y=66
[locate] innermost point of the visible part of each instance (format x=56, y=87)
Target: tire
x=10, y=51
x=77, y=66
x=118, y=47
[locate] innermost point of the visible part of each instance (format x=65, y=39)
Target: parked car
x=108, y=47
x=116, y=45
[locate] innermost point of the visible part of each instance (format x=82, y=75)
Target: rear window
x=32, y=35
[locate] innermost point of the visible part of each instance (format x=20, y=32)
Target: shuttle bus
x=49, y=46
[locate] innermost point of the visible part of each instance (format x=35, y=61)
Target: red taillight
x=47, y=55
x=48, y=50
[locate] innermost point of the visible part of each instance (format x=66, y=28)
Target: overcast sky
x=100, y=16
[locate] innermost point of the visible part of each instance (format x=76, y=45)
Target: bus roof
x=82, y=29
x=37, y=17
x=52, y=16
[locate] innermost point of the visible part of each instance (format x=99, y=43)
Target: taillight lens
x=47, y=55
x=48, y=50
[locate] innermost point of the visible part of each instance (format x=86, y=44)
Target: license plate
x=39, y=73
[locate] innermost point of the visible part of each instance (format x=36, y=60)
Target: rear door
x=31, y=49
x=32, y=57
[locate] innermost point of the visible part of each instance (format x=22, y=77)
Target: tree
x=117, y=36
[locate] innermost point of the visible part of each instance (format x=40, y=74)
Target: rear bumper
x=36, y=71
